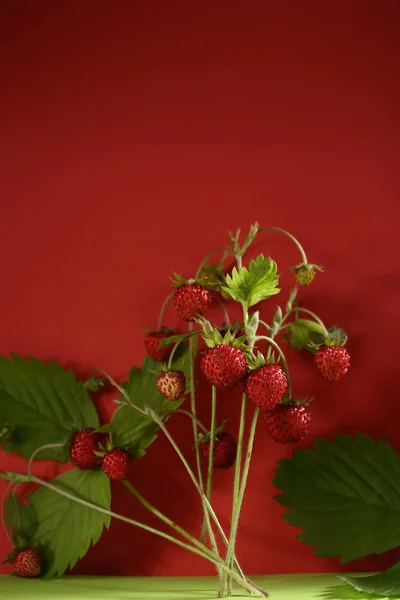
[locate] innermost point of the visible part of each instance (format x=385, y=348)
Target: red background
x=133, y=136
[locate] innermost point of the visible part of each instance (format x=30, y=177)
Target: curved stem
x=312, y=314
x=171, y=356
x=222, y=305
x=209, y=255
x=3, y=518
x=163, y=308
x=190, y=415
x=264, y=324
x=211, y=455
x=283, y=357
x=37, y=451
x=289, y=235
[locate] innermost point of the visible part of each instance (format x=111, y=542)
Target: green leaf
x=15, y=477
x=134, y=431
x=251, y=285
x=304, y=333
x=66, y=529
x=20, y=517
x=386, y=584
x=43, y=403
x=344, y=495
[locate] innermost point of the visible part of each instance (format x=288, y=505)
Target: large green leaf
x=344, y=495
x=133, y=430
x=386, y=584
x=43, y=404
x=66, y=529
x=251, y=285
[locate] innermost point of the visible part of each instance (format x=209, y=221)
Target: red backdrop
x=133, y=136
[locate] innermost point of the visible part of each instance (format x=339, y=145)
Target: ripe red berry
x=151, y=342
x=83, y=447
x=191, y=301
x=27, y=563
x=116, y=464
x=287, y=424
x=266, y=386
x=172, y=384
x=332, y=362
x=225, y=449
x=224, y=366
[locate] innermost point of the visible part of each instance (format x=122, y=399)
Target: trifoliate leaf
x=43, y=403
x=386, y=584
x=134, y=430
x=344, y=495
x=66, y=529
x=251, y=285
x=21, y=518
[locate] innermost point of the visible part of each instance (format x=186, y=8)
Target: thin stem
x=37, y=451
x=283, y=357
x=289, y=235
x=3, y=518
x=171, y=356
x=236, y=487
x=298, y=309
x=222, y=305
x=190, y=415
x=209, y=255
x=211, y=455
x=163, y=308
x=264, y=324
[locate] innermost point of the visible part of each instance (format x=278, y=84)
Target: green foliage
x=65, y=528
x=251, y=285
x=22, y=520
x=344, y=495
x=305, y=333
x=133, y=430
x=43, y=404
x=386, y=584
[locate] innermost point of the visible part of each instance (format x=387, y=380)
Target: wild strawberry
x=172, y=384
x=266, y=386
x=332, y=362
x=223, y=365
x=225, y=448
x=116, y=464
x=151, y=342
x=287, y=424
x=304, y=274
x=83, y=447
x=27, y=563
x=191, y=301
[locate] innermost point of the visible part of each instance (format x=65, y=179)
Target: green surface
x=280, y=587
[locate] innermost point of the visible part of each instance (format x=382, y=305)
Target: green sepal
x=308, y=266
x=178, y=338
x=94, y=384
x=337, y=336
x=202, y=437
x=251, y=285
x=287, y=401
x=257, y=361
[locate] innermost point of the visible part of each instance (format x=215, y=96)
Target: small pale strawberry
x=172, y=384
x=191, y=301
x=224, y=366
x=304, y=274
x=27, y=563
x=83, y=447
x=266, y=386
x=152, y=341
x=225, y=449
x=332, y=362
x=116, y=464
x=286, y=423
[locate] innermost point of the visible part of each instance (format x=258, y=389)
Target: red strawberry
x=266, y=386
x=332, y=362
x=116, y=464
x=224, y=366
x=287, y=424
x=191, y=301
x=83, y=446
x=27, y=563
x=151, y=342
x=172, y=384
x=225, y=449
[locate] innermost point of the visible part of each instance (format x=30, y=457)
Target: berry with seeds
x=83, y=447
x=27, y=563
x=191, y=301
x=225, y=449
x=116, y=464
x=287, y=423
x=152, y=341
x=332, y=362
x=224, y=366
x=266, y=386
x=172, y=384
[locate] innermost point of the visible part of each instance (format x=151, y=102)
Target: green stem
x=209, y=255
x=211, y=455
x=223, y=307
x=236, y=488
x=283, y=357
x=188, y=414
x=298, y=309
x=289, y=235
x=163, y=308
x=171, y=356
x=37, y=451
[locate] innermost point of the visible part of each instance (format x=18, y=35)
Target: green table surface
x=280, y=587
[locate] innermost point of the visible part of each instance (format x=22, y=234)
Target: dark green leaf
x=43, y=403
x=251, y=285
x=344, y=495
x=135, y=431
x=66, y=529
x=386, y=584
x=20, y=517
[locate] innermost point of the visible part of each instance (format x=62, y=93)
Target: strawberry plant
x=46, y=412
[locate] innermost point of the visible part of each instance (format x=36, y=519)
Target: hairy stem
x=298, y=309
x=163, y=309
x=289, y=235
x=211, y=455
x=209, y=255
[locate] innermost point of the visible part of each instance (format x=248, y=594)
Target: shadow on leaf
x=345, y=592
